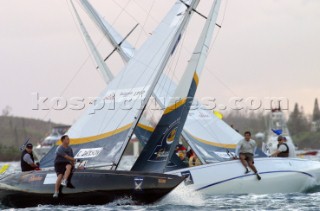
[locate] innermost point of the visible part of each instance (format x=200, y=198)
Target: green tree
x=316, y=111
x=297, y=122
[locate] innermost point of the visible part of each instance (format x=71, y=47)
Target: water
x=184, y=199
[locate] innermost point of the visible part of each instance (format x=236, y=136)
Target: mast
x=101, y=134
x=126, y=50
x=202, y=129
x=177, y=35
x=160, y=147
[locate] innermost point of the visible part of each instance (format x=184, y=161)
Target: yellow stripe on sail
x=230, y=146
x=146, y=127
x=175, y=106
x=88, y=139
x=196, y=78
x=4, y=168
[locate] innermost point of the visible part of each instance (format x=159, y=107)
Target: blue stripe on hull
x=248, y=175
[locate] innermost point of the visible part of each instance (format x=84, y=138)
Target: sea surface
x=184, y=199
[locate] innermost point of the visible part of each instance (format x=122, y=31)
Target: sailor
x=245, y=151
x=63, y=163
x=27, y=160
x=283, y=148
x=181, y=152
x=194, y=160
x=292, y=150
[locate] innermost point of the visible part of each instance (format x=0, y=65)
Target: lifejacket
x=24, y=165
x=285, y=153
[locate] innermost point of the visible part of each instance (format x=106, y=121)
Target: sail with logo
x=105, y=129
x=209, y=136
x=154, y=156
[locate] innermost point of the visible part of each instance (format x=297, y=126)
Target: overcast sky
x=265, y=48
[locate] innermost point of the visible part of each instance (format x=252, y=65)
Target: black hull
x=95, y=187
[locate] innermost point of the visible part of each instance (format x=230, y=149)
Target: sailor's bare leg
x=252, y=166
x=67, y=172
x=243, y=161
x=58, y=182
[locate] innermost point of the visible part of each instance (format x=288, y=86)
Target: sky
x=267, y=48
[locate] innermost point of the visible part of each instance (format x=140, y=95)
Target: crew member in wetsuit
x=283, y=148
x=27, y=160
x=63, y=164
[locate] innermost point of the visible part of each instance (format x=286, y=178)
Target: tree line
x=304, y=129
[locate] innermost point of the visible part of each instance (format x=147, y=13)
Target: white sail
x=116, y=112
x=161, y=144
x=105, y=71
x=207, y=134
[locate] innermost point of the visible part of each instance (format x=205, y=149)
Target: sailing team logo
x=138, y=181
x=162, y=150
x=171, y=136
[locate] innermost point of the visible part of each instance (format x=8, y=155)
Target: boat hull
x=279, y=175
x=90, y=187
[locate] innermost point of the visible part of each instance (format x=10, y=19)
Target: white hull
x=279, y=175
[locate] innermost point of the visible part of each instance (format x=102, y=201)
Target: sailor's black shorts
x=248, y=156
x=60, y=168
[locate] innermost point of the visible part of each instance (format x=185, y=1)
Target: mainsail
x=101, y=135
x=160, y=146
x=208, y=135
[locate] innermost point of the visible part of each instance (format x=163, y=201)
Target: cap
x=182, y=148
x=280, y=138
x=29, y=145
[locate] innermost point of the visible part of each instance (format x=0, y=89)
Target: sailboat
x=214, y=142
x=101, y=134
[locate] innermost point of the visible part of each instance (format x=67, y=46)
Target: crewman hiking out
x=245, y=151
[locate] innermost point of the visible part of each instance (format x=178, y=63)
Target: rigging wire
x=142, y=8
x=210, y=129
x=174, y=59
x=152, y=76
x=79, y=68
x=144, y=23
x=124, y=10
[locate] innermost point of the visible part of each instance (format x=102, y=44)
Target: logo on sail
x=88, y=153
x=171, y=136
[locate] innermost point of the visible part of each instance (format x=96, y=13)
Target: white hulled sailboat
x=210, y=137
